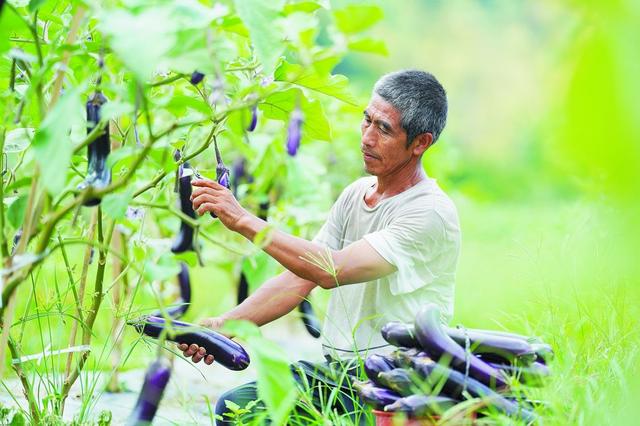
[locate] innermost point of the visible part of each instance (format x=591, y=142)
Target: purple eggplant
x=243, y=288
x=196, y=78
x=543, y=351
x=400, y=334
x=225, y=351
x=376, y=397
x=421, y=406
x=16, y=240
x=155, y=381
x=222, y=172
x=439, y=346
x=398, y=380
x=184, y=240
x=98, y=174
x=254, y=119
x=182, y=304
x=452, y=383
x=533, y=374
x=294, y=132
x=402, y=357
x=309, y=318
x=508, y=348
x=376, y=364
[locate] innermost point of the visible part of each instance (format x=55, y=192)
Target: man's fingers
x=208, y=359
x=204, y=190
x=207, y=183
x=199, y=355
x=204, y=198
x=205, y=207
x=182, y=346
x=191, y=350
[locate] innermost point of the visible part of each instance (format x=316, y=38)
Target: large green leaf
x=52, y=143
x=10, y=24
x=280, y=105
x=276, y=386
x=369, y=45
x=330, y=85
x=260, y=18
x=355, y=18
x=115, y=205
x=15, y=214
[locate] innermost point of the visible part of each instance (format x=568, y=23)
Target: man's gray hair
x=420, y=98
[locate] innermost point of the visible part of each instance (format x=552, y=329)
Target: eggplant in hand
x=155, y=381
x=225, y=351
x=98, y=174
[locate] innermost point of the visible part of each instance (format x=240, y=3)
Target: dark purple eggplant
x=184, y=240
x=543, y=351
x=309, y=318
x=182, y=304
x=222, y=172
x=16, y=240
x=533, y=374
x=243, y=288
x=511, y=349
x=196, y=78
x=225, y=351
x=254, y=119
x=400, y=334
x=376, y=364
x=398, y=380
x=421, y=406
x=376, y=397
x=439, y=346
x=155, y=381
x=453, y=384
x=402, y=357
x=98, y=174
x=294, y=132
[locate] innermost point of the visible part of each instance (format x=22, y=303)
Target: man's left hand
x=210, y=196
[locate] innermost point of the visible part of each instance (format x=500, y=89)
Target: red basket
x=385, y=418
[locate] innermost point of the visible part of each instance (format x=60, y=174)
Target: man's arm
x=356, y=263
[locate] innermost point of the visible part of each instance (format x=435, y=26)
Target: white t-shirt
x=418, y=232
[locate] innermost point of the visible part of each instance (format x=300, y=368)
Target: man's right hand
x=198, y=353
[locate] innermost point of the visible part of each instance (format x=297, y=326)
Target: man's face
x=384, y=141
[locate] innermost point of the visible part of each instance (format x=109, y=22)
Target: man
x=390, y=243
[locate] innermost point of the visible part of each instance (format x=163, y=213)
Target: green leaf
x=15, y=213
x=140, y=41
x=276, y=386
x=35, y=5
x=259, y=268
x=52, y=143
x=355, y=18
x=303, y=6
x=115, y=205
x=259, y=17
x=280, y=105
x=114, y=109
x=10, y=24
x=369, y=45
x=161, y=270
x=330, y=85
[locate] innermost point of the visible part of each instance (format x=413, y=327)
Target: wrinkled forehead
x=380, y=109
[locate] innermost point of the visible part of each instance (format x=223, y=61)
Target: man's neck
x=390, y=185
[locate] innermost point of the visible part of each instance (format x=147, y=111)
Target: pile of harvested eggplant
x=436, y=368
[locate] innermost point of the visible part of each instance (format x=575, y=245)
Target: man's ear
x=421, y=143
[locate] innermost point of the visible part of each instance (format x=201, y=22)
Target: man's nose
x=368, y=136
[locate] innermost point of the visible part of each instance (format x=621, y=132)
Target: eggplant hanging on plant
x=309, y=318
x=222, y=172
x=155, y=381
x=225, y=351
x=438, y=345
x=254, y=119
x=294, y=131
x=243, y=288
x=182, y=304
x=98, y=174
x=196, y=78
x=184, y=239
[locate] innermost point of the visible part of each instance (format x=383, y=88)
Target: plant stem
x=26, y=386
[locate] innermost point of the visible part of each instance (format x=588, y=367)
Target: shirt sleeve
x=330, y=234
x=412, y=244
